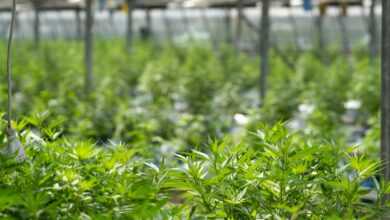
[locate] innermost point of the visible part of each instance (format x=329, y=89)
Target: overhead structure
x=46, y=5
x=152, y=4
x=340, y=2
x=5, y=5
x=218, y=3
x=142, y=4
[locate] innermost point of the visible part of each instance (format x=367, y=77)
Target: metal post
x=89, y=47
x=264, y=48
x=385, y=100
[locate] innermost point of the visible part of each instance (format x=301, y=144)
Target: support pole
x=79, y=29
x=385, y=98
x=37, y=23
x=9, y=74
x=14, y=145
x=373, y=31
x=129, y=34
x=345, y=44
x=88, y=47
x=319, y=23
x=295, y=29
x=146, y=31
x=237, y=40
x=264, y=48
x=228, y=26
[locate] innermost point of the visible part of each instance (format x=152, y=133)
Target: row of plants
x=270, y=174
x=184, y=93
x=177, y=133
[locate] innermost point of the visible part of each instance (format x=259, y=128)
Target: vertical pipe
x=385, y=97
x=237, y=40
x=320, y=33
x=9, y=74
x=14, y=145
x=17, y=25
x=111, y=18
x=129, y=35
x=147, y=32
x=79, y=30
x=319, y=24
x=264, y=48
x=149, y=19
x=373, y=31
x=88, y=47
x=346, y=47
x=295, y=29
x=345, y=44
x=228, y=26
x=37, y=37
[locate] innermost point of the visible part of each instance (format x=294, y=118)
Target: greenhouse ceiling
x=144, y=4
